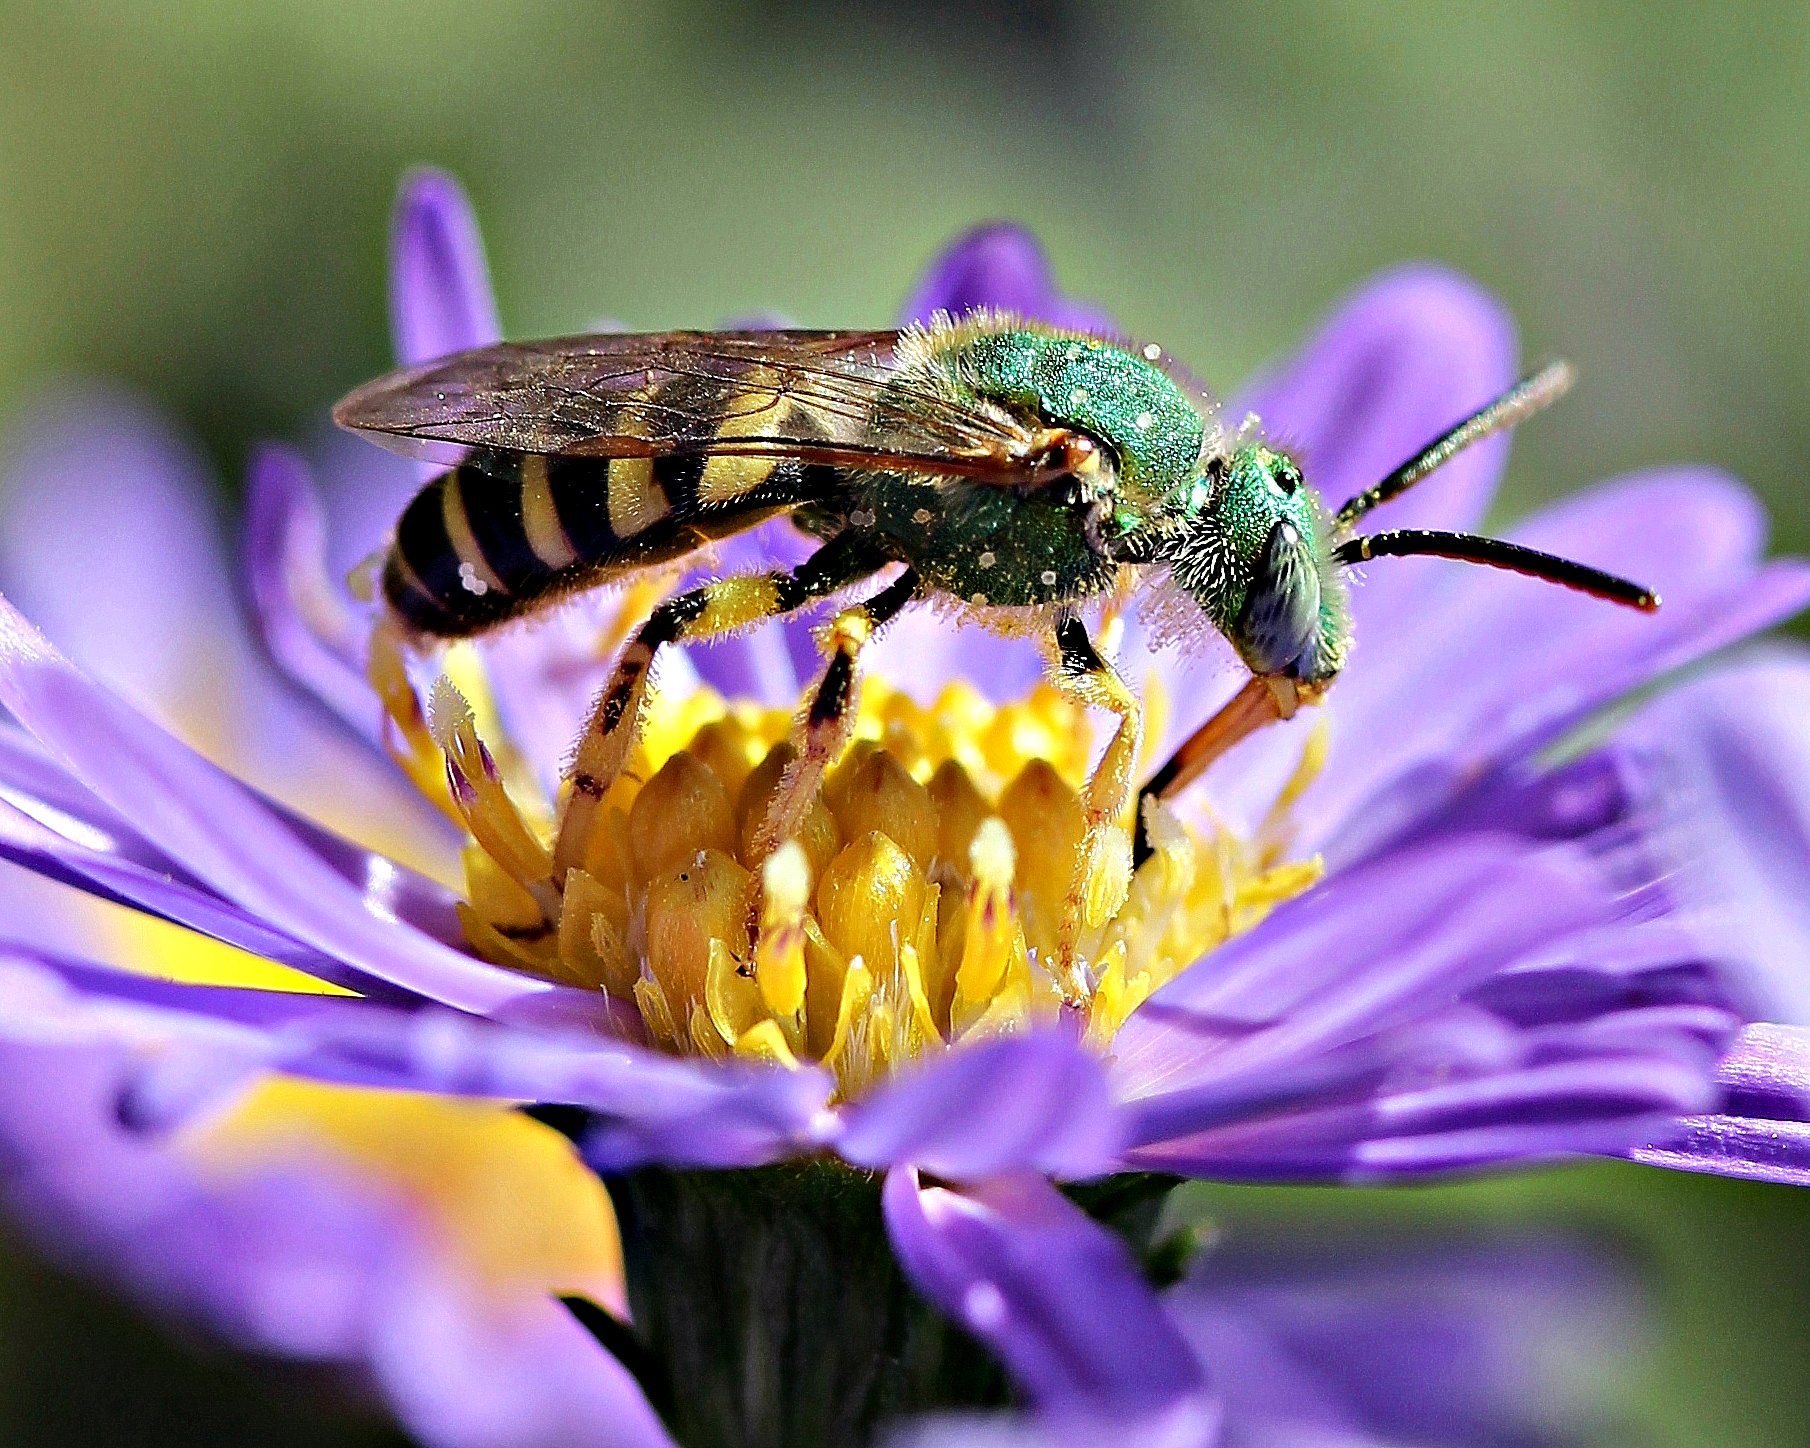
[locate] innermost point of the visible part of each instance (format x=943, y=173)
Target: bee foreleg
x=1103, y=868
x=709, y=611
x=828, y=721
x=1265, y=699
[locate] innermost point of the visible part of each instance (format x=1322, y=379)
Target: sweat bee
x=1021, y=469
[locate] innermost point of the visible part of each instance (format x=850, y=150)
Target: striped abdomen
x=503, y=533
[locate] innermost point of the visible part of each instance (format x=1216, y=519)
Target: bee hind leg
x=709, y=611
x=1103, y=865
x=828, y=721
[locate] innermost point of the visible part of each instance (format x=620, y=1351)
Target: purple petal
x=222, y=834
x=440, y=295
x=1054, y=1294
x=1369, y=948
x=50, y=823
x=643, y=1106
x=283, y=1263
x=126, y=882
x=1037, y=1103
x=1763, y=1129
x=998, y=267
x=458, y=1378
x=302, y=614
x=1732, y=746
x=1406, y=356
x=1193, y=1423
x=1694, y=536
x=1526, y=1114
x=1362, y=1032
x=99, y=488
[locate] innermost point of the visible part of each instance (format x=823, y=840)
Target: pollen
x=922, y=905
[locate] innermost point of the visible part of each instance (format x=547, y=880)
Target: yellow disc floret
x=921, y=903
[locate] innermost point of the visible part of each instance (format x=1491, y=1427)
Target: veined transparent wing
x=840, y=398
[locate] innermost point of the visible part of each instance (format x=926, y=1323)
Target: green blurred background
x=193, y=197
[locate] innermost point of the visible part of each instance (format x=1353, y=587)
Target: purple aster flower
x=1408, y=945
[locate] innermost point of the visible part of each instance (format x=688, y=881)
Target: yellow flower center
x=920, y=906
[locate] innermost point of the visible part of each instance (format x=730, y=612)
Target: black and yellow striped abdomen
x=503, y=534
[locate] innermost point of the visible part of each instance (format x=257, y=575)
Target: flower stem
x=773, y=1311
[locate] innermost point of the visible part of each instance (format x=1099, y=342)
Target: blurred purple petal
x=1035, y=1102
x=999, y=267
x=223, y=834
x=306, y=1258
x=1192, y=1423
x=1732, y=745
x=1052, y=1292
x=303, y=613
x=1367, y=1341
x=538, y=1379
x=1404, y=357
x=1694, y=536
x=440, y=295
x=643, y=1106
x=100, y=490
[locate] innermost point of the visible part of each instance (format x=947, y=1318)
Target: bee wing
x=832, y=397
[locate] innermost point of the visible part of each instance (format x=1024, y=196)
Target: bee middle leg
x=708, y=611
x=829, y=719
x=1081, y=673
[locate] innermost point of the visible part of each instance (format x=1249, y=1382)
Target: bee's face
x=1256, y=561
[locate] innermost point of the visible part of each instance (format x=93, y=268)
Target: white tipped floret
x=447, y=712
x=991, y=856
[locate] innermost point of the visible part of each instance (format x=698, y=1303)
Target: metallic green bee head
x=1257, y=558
x=1264, y=559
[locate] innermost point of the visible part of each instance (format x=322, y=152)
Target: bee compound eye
x=1281, y=611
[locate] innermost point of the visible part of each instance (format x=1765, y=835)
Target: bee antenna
x=1528, y=396
x=1495, y=553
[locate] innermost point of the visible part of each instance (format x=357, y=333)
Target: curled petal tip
x=441, y=299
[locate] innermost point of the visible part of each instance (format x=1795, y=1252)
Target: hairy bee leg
x=1084, y=675
x=828, y=721
x=1265, y=699
x=709, y=611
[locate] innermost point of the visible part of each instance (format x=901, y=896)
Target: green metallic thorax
x=1025, y=547
x=1152, y=428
